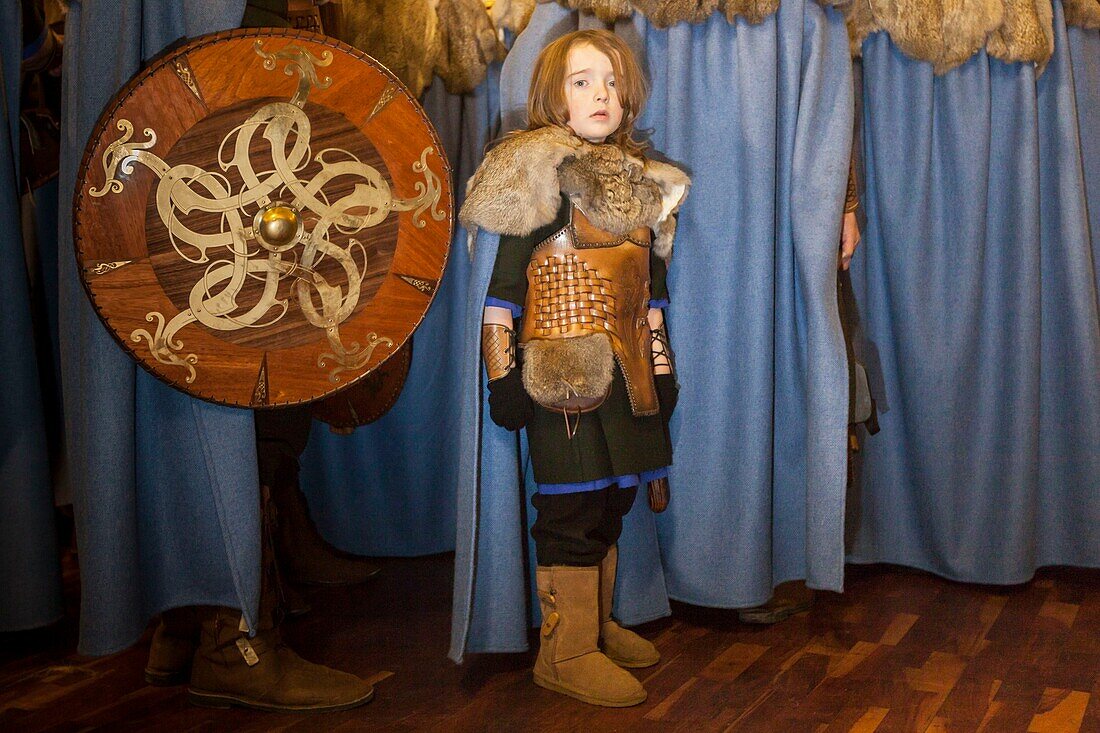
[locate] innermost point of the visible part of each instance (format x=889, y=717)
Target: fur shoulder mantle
x=518, y=187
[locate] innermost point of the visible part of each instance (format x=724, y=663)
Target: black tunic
x=609, y=441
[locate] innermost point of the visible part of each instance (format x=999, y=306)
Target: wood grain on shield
x=114, y=237
x=167, y=276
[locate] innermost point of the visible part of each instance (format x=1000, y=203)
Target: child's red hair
x=546, y=103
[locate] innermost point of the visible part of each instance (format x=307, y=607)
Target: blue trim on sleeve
x=517, y=310
x=662, y=303
x=625, y=482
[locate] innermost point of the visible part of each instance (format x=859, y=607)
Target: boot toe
x=592, y=678
x=627, y=649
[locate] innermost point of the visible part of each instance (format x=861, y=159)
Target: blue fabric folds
x=30, y=578
x=978, y=281
x=388, y=489
x=164, y=486
x=761, y=116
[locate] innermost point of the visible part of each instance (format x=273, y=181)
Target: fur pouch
x=569, y=374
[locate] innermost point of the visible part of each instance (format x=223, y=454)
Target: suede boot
x=569, y=660
x=231, y=669
x=622, y=646
x=261, y=672
x=173, y=647
x=789, y=599
x=303, y=554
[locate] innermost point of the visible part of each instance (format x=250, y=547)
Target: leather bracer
x=661, y=349
x=498, y=347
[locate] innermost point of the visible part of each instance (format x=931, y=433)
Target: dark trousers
x=578, y=529
x=281, y=436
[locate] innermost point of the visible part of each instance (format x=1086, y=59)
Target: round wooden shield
x=368, y=399
x=263, y=217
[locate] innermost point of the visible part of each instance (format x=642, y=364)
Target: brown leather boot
x=263, y=673
x=622, y=646
x=303, y=554
x=173, y=646
x=789, y=599
x=569, y=661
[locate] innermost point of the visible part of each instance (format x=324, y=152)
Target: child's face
x=594, y=108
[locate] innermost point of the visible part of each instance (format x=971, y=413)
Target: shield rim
x=159, y=62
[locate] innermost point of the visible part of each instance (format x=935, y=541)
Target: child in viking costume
x=574, y=341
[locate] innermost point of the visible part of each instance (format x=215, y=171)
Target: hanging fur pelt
x=468, y=44
x=512, y=15
x=1084, y=13
x=403, y=35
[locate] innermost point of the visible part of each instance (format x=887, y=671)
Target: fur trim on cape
x=1027, y=33
x=606, y=10
x=468, y=44
x=947, y=34
x=666, y=13
x=1084, y=13
x=518, y=186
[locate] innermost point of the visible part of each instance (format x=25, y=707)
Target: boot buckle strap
x=246, y=650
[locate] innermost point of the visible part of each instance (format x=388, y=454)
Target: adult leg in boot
x=303, y=554
x=305, y=557
x=261, y=672
x=173, y=647
x=622, y=646
x=569, y=659
x=789, y=599
x=294, y=601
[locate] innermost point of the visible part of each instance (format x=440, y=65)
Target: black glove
x=667, y=393
x=509, y=404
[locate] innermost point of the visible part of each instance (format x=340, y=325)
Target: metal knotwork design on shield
x=270, y=226
x=262, y=235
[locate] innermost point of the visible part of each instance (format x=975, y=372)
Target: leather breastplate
x=582, y=280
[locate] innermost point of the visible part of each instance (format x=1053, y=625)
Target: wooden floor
x=899, y=651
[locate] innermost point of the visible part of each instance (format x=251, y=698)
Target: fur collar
x=518, y=187
x=948, y=34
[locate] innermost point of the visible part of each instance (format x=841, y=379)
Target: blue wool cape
x=761, y=118
x=979, y=282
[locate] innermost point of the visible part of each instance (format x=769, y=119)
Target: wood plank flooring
x=898, y=651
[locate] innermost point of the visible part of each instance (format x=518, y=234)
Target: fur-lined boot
x=569, y=660
x=622, y=646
